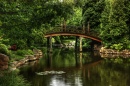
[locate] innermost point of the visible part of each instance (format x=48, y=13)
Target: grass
x=20, y=54
x=12, y=79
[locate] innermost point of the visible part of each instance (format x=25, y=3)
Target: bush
x=12, y=79
x=4, y=49
x=24, y=52
x=117, y=46
x=20, y=54
x=128, y=46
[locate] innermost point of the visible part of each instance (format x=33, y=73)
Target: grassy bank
x=12, y=79
x=15, y=55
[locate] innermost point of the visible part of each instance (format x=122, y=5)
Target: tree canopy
x=24, y=22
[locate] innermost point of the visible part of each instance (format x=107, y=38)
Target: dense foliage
x=114, y=26
x=4, y=49
x=109, y=18
x=12, y=79
x=92, y=14
x=24, y=22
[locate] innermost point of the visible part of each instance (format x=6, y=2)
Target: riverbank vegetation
x=12, y=79
x=14, y=55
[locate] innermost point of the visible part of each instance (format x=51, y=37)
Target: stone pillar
x=80, y=44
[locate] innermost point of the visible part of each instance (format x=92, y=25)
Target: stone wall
x=114, y=53
x=111, y=51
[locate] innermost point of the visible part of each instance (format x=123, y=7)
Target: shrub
x=128, y=46
x=12, y=79
x=20, y=54
x=117, y=46
x=24, y=52
x=4, y=49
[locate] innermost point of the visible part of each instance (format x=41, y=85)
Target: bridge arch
x=73, y=34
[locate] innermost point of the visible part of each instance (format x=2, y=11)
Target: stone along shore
x=37, y=54
x=104, y=52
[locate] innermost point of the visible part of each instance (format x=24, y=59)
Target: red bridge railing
x=73, y=30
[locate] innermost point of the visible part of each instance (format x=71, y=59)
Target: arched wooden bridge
x=72, y=31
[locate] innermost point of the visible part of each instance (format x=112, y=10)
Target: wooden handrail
x=72, y=30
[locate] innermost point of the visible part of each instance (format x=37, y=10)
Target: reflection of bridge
x=79, y=65
x=79, y=32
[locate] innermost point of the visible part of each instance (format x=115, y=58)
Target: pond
x=65, y=67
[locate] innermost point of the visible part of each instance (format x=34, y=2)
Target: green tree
x=20, y=20
x=76, y=18
x=114, y=29
x=92, y=13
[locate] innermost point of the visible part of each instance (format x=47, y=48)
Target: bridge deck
x=72, y=32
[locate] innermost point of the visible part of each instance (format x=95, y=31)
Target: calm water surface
x=80, y=69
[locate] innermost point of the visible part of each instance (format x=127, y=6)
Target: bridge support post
x=80, y=42
x=49, y=44
x=76, y=43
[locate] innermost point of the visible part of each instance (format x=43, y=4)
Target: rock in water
x=49, y=72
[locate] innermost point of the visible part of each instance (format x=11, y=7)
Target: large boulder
x=4, y=59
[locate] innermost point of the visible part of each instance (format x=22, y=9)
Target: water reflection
x=60, y=81
x=81, y=69
x=57, y=80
